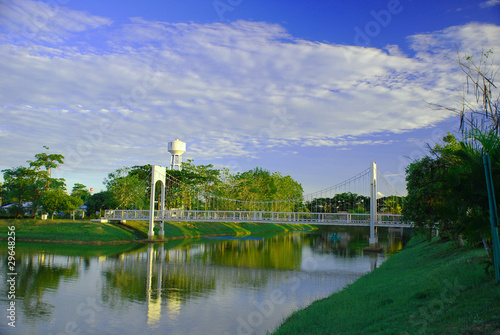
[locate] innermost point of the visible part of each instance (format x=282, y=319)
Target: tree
x=18, y=185
x=341, y=202
x=73, y=203
x=48, y=161
x=468, y=197
x=448, y=191
x=126, y=189
x=80, y=191
x=425, y=201
x=97, y=202
x=54, y=201
x=392, y=204
x=30, y=183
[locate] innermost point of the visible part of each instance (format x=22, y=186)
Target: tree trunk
x=487, y=247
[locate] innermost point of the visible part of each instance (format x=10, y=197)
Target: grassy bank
x=197, y=229
x=97, y=232
x=427, y=288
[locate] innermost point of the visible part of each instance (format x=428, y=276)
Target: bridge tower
x=157, y=174
x=176, y=148
x=373, y=204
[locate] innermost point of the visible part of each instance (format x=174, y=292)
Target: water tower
x=176, y=148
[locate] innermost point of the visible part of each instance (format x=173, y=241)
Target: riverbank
x=82, y=231
x=431, y=288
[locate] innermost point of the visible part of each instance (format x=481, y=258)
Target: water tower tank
x=177, y=147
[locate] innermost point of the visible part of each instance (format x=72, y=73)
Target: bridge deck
x=340, y=219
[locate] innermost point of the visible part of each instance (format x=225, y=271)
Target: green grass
x=427, y=288
x=195, y=229
x=65, y=230
x=87, y=231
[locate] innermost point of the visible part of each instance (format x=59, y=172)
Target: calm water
x=199, y=286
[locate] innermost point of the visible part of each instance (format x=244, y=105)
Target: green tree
x=30, y=183
x=48, y=161
x=126, y=190
x=467, y=196
x=448, y=191
x=392, y=204
x=341, y=202
x=55, y=201
x=425, y=202
x=73, y=203
x=80, y=191
x=19, y=183
x=98, y=202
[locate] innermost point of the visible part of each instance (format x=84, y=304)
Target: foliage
x=202, y=187
x=54, y=201
x=80, y=191
x=28, y=184
x=342, y=202
x=259, y=185
x=391, y=204
x=126, y=189
x=448, y=191
x=97, y=202
x=425, y=200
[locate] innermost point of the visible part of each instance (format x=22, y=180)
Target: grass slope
x=86, y=231
x=427, y=288
x=197, y=229
x=65, y=230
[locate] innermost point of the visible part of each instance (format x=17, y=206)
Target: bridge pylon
x=373, y=204
x=158, y=173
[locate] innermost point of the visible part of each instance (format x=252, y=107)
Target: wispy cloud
x=226, y=88
x=45, y=22
x=489, y=3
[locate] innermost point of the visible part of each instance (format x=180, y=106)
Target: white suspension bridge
x=319, y=208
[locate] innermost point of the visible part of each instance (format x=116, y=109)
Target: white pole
x=373, y=203
x=151, y=233
x=162, y=231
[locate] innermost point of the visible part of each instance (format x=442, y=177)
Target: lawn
x=427, y=288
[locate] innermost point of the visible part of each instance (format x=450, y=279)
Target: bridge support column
x=373, y=204
x=158, y=173
x=161, y=233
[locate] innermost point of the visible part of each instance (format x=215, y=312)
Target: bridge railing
x=119, y=214
x=259, y=216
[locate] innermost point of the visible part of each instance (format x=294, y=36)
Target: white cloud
x=43, y=22
x=228, y=89
x=489, y=3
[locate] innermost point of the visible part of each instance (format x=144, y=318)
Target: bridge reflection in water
x=185, y=286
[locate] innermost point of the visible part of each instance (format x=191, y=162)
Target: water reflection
x=191, y=286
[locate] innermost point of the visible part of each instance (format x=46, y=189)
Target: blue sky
x=313, y=89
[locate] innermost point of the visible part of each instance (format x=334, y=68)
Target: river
x=195, y=286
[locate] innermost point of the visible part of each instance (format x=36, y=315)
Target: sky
x=313, y=89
